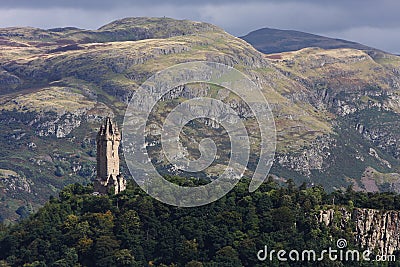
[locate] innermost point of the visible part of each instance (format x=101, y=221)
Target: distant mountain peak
x=269, y=41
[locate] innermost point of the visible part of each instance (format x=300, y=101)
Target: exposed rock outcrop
x=16, y=184
x=374, y=229
x=315, y=157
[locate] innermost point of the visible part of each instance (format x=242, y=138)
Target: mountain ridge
x=127, y=29
x=336, y=110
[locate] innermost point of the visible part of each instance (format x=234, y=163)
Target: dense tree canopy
x=132, y=229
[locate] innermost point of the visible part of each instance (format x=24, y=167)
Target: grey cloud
x=105, y=4
x=82, y=18
x=100, y=4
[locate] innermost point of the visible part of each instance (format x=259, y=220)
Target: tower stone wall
x=108, y=176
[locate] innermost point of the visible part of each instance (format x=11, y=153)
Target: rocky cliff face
x=373, y=229
x=315, y=157
x=360, y=90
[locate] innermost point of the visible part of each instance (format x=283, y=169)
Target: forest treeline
x=78, y=228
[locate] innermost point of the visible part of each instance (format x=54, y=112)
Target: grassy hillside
x=57, y=85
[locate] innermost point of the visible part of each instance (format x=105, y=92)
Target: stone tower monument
x=108, y=176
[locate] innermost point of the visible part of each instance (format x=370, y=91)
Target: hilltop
x=128, y=29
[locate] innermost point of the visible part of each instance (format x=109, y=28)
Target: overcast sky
x=371, y=22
